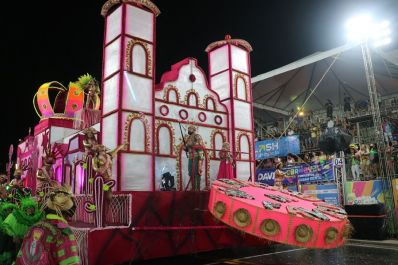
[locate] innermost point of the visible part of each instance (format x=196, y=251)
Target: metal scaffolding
x=386, y=174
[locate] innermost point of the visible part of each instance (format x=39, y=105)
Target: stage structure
x=143, y=119
x=386, y=173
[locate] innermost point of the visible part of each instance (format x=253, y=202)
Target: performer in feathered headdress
x=51, y=241
x=22, y=218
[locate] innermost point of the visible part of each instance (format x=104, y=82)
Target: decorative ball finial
x=227, y=37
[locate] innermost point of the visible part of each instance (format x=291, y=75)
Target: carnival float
x=129, y=149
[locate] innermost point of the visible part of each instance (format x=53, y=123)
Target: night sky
x=43, y=41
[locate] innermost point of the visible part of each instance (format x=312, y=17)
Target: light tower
x=230, y=77
x=365, y=31
x=128, y=80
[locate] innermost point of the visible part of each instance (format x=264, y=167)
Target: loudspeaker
x=369, y=221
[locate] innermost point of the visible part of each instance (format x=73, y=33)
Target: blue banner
x=306, y=173
x=274, y=147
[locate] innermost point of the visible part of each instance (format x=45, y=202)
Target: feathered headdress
x=61, y=201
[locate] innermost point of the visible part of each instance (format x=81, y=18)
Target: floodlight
x=364, y=29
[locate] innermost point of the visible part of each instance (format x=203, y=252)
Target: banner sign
x=395, y=188
x=327, y=192
x=364, y=192
x=274, y=147
x=306, y=173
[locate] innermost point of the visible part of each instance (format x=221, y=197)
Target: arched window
x=139, y=59
x=210, y=104
x=217, y=140
x=79, y=178
x=67, y=176
x=192, y=99
x=58, y=173
x=137, y=135
x=164, y=140
x=244, y=147
x=172, y=95
x=241, y=91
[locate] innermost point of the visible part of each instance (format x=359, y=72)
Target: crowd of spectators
x=311, y=125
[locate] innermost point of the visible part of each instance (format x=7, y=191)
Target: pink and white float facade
x=146, y=117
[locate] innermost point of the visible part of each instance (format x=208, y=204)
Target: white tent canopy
x=277, y=92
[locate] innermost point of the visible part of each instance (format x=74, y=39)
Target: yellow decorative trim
x=331, y=235
x=107, y=6
x=151, y=6
x=129, y=50
x=303, y=233
x=213, y=144
x=208, y=171
x=236, y=42
x=219, y=209
x=237, y=76
x=205, y=99
x=166, y=92
x=170, y=125
x=190, y=91
x=242, y=217
x=270, y=231
x=178, y=162
x=130, y=118
x=238, y=144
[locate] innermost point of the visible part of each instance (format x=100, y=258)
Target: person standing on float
x=196, y=154
x=226, y=170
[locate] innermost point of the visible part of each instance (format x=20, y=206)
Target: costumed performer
x=355, y=161
x=89, y=141
x=226, y=170
x=17, y=182
x=22, y=218
x=7, y=248
x=196, y=154
x=279, y=175
x=3, y=188
x=102, y=165
x=44, y=185
x=51, y=241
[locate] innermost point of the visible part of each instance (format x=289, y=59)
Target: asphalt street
x=354, y=252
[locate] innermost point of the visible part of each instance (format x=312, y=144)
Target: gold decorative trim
x=242, y=217
x=238, y=144
x=170, y=125
x=303, y=233
x=236, y=42
x=148, y=4
x=166, y=92
x=237, y=76
x=107, y=6
x=270, y=227
x=219, y=209
x=190, y=91
x=205, y=99
x=331, y=235
x=129, y=50
x=129, y=120
x=213, y=141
